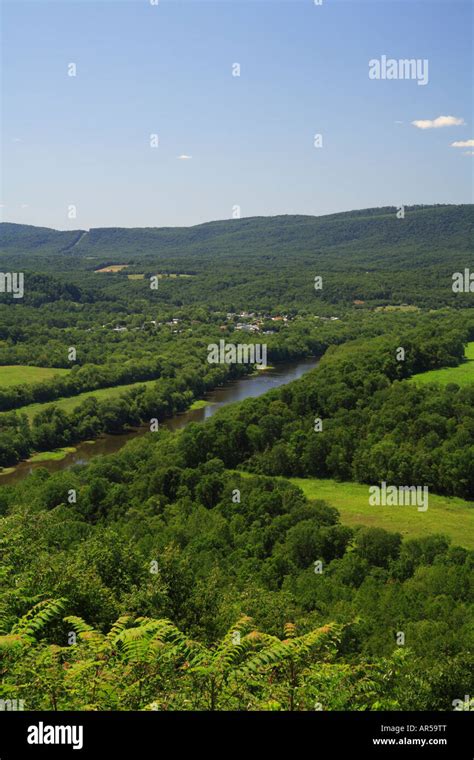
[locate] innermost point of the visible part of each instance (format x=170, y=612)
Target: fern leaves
x=31, y=624
x=275, y=652
x=149, y=663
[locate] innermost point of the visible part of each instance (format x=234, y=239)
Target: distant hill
x=24, y=238
x=367, y=258
x=372, y=238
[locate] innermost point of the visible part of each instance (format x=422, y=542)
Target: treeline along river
x=249, y=386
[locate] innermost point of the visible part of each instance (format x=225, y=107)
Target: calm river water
x=246, y=387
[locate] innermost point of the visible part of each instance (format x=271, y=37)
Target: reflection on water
x=246, y=387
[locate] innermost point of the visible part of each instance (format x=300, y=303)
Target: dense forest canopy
x=186, y=572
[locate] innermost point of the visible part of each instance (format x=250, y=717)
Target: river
x=250, y=386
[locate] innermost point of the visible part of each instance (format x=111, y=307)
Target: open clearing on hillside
x=445, y=514
x=462, y=375
x=68, y=404
x=21, y=374
x=112, y=269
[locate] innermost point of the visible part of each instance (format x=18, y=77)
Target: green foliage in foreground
x=149, y=541
x=149, y=664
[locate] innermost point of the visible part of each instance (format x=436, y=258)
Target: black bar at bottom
x=374, y=734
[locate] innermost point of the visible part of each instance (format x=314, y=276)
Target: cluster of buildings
x=244, y=321
x=251, y=322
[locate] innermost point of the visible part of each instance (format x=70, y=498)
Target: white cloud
x=463, y=144
x=399, y=122
x=440, y=121
x=184, y=157
x=469, y=152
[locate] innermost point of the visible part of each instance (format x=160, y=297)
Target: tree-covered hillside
x=371, y=237
x=185, y=572
x=262, y=262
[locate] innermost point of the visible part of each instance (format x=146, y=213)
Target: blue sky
x=166, y=69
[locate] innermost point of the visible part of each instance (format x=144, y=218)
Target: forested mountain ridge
x=367, y=237
x=24, y=238
x=264, y=263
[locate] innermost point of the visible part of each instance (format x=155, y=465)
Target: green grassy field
x=449, y=515
x=462, y=375
x=20, y=374
x=68, y=404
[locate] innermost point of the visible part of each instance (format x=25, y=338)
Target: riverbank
x=248, y=386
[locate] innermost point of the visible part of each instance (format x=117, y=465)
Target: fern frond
x=227, y=647
x=39, y=615
x=278, y=652
x=120, y=624
x=143, y=641
x=79, y=625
